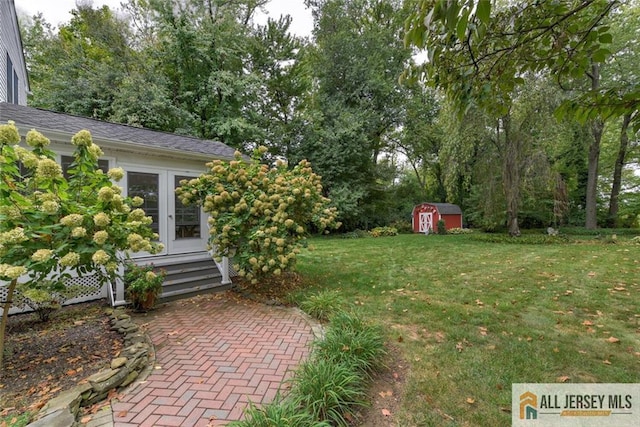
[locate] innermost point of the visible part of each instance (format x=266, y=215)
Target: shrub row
x=327, y=388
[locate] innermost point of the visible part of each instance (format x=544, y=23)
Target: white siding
x=11, y=44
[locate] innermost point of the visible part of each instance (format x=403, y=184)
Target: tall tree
x=358, y=102
x=79, y=69
x=279, y=61
x=479, y=54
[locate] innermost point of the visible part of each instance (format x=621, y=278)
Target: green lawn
x=472, y=317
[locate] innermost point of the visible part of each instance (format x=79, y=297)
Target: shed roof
x=45, y=120
x=447, y=208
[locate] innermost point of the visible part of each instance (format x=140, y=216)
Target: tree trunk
x=612, y=217
x=511, y=177
x=5, y=316
x=597, y=127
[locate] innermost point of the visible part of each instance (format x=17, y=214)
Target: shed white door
x=425, y=222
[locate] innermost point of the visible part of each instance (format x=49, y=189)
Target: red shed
x=426, y=216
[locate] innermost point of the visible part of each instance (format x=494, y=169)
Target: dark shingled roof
x=45, y=120
x=447, y=208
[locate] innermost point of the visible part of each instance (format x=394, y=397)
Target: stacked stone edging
x=133, y=361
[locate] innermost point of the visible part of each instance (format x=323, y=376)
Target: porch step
x=188, y=277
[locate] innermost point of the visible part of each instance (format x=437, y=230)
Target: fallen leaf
x=620, y=288
x=563, y=379
x=386, y=413
x=470, y=400
x=505, y=409
x=591, y=274
x=587, y=323
x=613, y=340
x=122, y=414
x=85, y=420
x=385, y=394
x=483, y=331
x=606, y=362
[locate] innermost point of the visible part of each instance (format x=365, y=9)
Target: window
x=66, y=161
x=146, y=185
x=15, y=88
x=187, y=217
x=9, y=80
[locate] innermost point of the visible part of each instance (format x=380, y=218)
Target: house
x=425, y=217
x=14, y=83
x=154, y=164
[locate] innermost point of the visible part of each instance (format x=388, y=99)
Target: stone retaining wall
x=63, y=410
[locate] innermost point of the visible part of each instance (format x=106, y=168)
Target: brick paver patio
x=214, y=354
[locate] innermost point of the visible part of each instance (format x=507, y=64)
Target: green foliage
x=142, y=279
x=327, y=390
x=350, y=340
x=525, y=239
x=442, y=228
x=51, y=225
x=12, y=420
x=47, y=296
x=322, y=305
x=458, y=230
x=355, y=234
x=279, y=413
x=260, y=215
x=383, y=232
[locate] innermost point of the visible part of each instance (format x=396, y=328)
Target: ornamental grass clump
x=351, y=341
x=260, y=215
x=327, y=390
x=52, y=226
x=279, y=413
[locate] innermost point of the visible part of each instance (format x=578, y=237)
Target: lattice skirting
x=88, y=287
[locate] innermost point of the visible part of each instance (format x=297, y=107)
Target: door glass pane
x=146, y=185
x=187, y=217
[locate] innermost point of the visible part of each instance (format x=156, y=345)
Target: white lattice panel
x=88, y=287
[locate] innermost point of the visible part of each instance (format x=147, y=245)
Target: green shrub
x=350, y=341
x=525, y=239
x=260, y=215
x=322, y=305
x=328, y=391
x=383, y=232
x=355, y=234
x=403, y=227
x=279, y=413
x=458, y=230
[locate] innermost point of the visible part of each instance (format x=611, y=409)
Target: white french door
x=187, y=225
x=182, y=229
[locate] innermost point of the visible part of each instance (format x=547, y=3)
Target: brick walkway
x=214, y=354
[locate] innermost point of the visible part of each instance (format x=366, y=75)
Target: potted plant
x=143, y=285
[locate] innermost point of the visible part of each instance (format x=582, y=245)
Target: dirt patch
x=43, y=359
x=385, y=393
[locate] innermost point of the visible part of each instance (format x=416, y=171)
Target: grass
x=472, y=317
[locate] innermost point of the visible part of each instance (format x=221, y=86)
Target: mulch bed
x=44, y=358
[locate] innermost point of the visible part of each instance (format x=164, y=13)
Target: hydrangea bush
x=51, y=226
x=260, y=215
